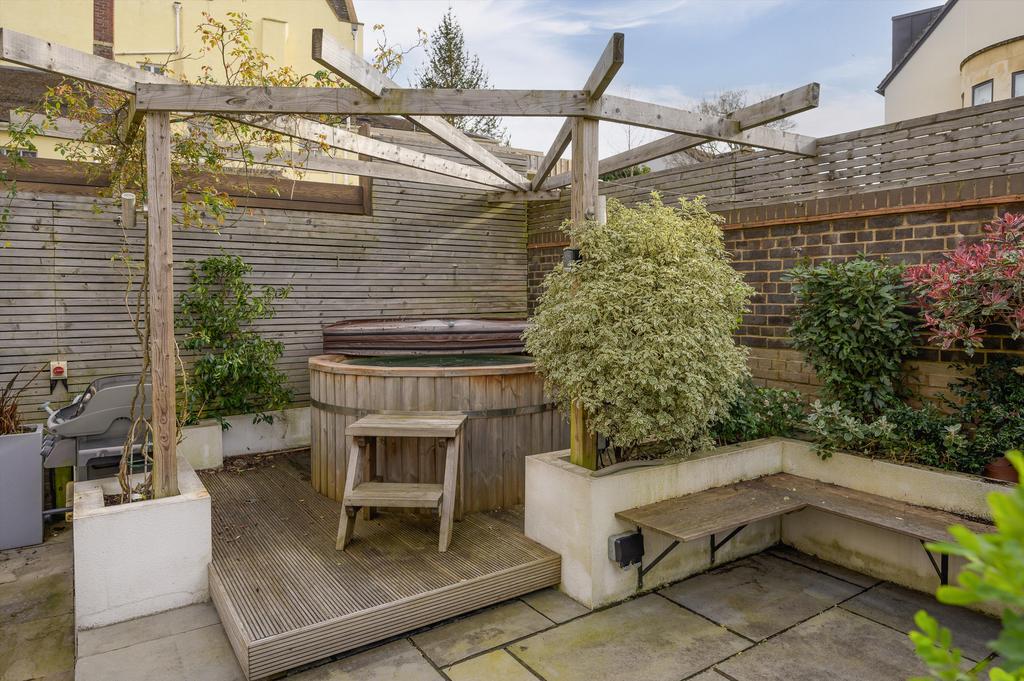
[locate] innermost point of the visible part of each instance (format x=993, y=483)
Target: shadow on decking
x=287, y=597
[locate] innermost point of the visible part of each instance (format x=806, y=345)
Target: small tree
x=640, y=330
x=851, y=324
x=450, y=65
x=235, y=372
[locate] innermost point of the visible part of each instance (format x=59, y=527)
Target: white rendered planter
x=206, y=444
x=141, y=558
x=572, y=511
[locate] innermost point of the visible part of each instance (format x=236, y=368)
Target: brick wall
x=911, y=226
x=103, y=28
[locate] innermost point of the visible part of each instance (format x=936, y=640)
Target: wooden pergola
x=281, y=110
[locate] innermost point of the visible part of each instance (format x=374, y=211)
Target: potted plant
x=639, y=332
x=21, y=484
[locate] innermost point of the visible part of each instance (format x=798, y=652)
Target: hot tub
x=503, y=396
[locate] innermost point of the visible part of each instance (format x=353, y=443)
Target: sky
x=676, y=52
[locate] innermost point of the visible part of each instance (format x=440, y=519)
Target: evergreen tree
x=450, y=65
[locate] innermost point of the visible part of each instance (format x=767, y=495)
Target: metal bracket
x=717, y=545
x=641, y=570
x=942, y=567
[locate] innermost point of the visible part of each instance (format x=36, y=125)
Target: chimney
x=103, y=28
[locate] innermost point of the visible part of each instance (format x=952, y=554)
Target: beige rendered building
x=962, y=53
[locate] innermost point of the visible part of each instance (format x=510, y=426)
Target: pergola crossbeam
x=350, y=166
x=600, y=78
x=363, y=75
x=26, y=50
x=430, y=102
x=346, y=140
x=787, y=104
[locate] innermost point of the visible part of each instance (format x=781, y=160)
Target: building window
x=981, y=93
x=153, y=68
x=1017, y=80
x=23, y=153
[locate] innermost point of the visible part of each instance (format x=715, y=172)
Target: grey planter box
x=21, y=488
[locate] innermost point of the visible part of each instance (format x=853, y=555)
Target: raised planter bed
x=206, y=444
x=572, y=511
x=140, y=558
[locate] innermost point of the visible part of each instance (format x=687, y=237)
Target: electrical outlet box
x=626, y=549
x=58, y=373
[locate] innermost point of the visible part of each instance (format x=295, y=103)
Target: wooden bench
x=363, y=490
x=729, y=509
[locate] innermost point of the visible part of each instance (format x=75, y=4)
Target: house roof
x=345, y=10
x=898, y=65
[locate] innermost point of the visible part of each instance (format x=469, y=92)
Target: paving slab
x=815, y=563
x=895, y=606
x=202, y=654
x=761, y=595
x=149, y=628
x=709, y=675
x=496, y=665
x=646, y=639
x=449, y=643
x=555, y=605
x=35, y=649
x=836, y=645
x=396, y=661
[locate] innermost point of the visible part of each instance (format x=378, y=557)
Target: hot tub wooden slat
x=509, y=419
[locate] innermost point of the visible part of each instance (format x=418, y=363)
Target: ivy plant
x=640, y=330
x=851, y=324
x=235, y=368
x=994, y=574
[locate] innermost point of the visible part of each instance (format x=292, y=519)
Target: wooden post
x=161, y=303
x=583, y=207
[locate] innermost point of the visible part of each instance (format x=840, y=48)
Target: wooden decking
x=287, y=597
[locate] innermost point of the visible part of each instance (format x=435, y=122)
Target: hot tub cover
x=396, y=336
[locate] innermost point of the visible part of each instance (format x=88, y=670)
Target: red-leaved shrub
x=975, y=287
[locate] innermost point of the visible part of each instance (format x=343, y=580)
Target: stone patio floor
x=777, y=615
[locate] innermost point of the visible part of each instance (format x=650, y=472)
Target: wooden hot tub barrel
x=509, y=419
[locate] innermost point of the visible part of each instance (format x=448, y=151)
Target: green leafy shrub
x=994, y=573
x=990, y=405
x=234, y=372
x=851, y=325
x=757, y=412
x=903, y=434
x=640, y=330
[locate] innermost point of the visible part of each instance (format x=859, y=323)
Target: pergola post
x=160, y=320
x=583, y=207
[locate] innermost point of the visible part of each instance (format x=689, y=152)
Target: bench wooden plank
x=409, y=424
x=699, y=515
x=921, y=522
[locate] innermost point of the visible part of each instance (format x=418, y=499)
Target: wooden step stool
x=361, y=491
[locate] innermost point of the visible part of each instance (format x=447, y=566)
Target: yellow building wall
x=930, y=81
x=68, y=22
x=145, y=31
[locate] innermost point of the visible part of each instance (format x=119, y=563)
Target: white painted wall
x=930, y=81
x=142, y=558
x=572, y=512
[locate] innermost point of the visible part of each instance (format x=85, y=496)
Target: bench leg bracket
x=941, y=568
x=641, y=570
x=715, y=546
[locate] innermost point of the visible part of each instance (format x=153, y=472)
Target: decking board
x=287, y=597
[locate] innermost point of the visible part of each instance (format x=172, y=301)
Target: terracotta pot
x=1001, y=469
